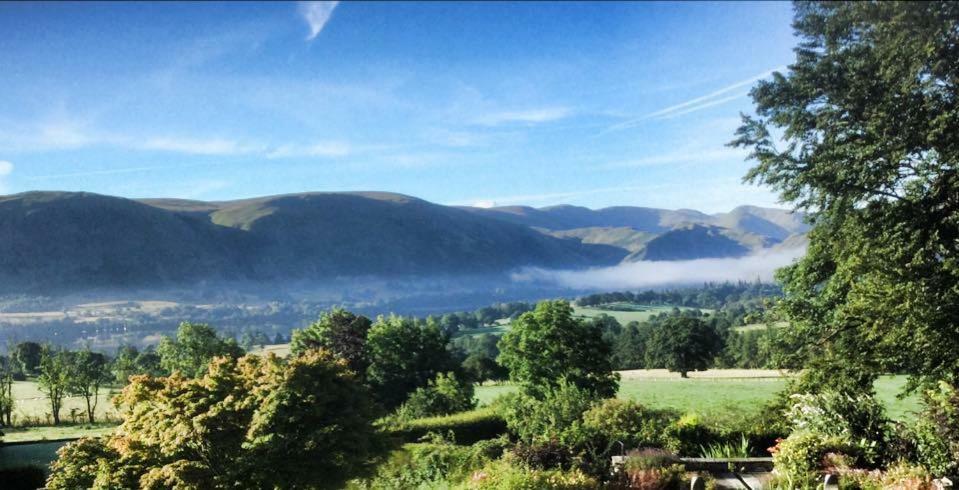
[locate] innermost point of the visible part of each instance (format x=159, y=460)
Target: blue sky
x=595, y=104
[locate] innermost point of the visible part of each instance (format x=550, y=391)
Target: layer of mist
x=653, y=274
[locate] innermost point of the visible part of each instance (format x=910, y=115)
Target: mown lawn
x=718, y=394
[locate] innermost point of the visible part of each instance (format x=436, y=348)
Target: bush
x=614, y=420
x=652, y=469
x=557, y=417
x=465, y=427
x=504, y=474
x=435, y=464
x=799, y=458
x=22, y=478
x=899, y=475
x=856, y=418
x=687, y=435
x=936, y=434
x=444, y=395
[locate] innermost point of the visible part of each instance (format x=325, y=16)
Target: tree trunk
x=682, y=374
x=91, y=407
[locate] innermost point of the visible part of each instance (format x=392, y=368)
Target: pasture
x=718, y=394
x=627, y=312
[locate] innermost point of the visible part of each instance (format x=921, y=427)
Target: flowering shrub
x=799, y=458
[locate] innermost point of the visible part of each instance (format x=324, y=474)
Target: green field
x=626, y=312
x=33, y=405
x=721, y=396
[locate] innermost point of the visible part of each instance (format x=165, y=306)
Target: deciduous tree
x=862, y=131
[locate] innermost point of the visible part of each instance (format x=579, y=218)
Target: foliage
x=193, y=348
x=503, y=474
x=339, y=332
x=869, y=124
x=27, y=356
x=251, y=422
x=683, y=344
x=859, y=419
x=726, y=450
x=403, y=357
x=652, y=469
x=799, y=458
x=54, y=378
x=437, y=463
x=628, y=422
x=548, y=346
x=464, y=427
x=129, y=361
x=444, y=395
x=7, y=401
x=899, y=476
x=686, y=435
x=87, y=372
x=936, y=433
x=557, y=416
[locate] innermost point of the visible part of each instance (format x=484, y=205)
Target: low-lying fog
x=647, y=274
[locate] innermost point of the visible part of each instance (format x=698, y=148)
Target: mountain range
x=67, y=241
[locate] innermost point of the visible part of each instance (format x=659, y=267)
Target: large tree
x=548, y=345
x=193, y=347
x=340, y=332
x=682, y=344
x=249, y=423
x=405, y=356
x=87, y=372
x=54, y=378
x=862, y=132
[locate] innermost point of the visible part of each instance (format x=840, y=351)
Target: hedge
x=466, y=427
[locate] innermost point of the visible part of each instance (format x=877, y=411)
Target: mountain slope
x=692, y=242
x=56, y=241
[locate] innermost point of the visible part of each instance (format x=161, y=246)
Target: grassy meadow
x=718, y=394
x=626, y=312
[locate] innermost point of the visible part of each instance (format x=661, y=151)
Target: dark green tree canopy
x=682, y=344
x=862, y=131
x=193, y=348
x=405, y=356
x=548, y=345
x=339, y=332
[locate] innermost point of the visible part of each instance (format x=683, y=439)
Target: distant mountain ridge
x=65, y=241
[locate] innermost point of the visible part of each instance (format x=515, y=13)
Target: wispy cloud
x=316, y=14
x=197, y=146
x=326, y=149
x=114, y=171
x=714, y=98
x=6, y=168
x=687, y=156
x=528, y=116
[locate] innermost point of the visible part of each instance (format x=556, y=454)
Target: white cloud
x=711, y=99
x=326, y=149
x=644, y=274
x=316, y=14
x=690, y=156
x=529, y=116
x=6, y=168
x=197, y=146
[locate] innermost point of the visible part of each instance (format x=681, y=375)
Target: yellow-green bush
x=466, y=427
x=504, y=474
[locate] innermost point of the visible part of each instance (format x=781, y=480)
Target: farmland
x=626, y=312
x=717, y=394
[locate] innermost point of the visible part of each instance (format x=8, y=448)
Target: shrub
x=543, y=455
x=937, y=431
x=799, y=458
x=614, y=420
x=857, y=418
x=652, y=469
x=557, y=417
x=504, y=474
x=899, y=476
x=444, y=395
x=465, y=427
x=435, y=464
x=687, y=435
